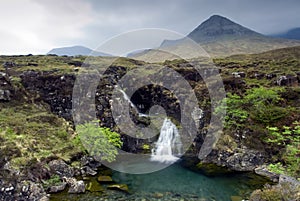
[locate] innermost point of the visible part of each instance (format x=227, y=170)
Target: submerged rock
x=236, y=198
x=120, y=187
x=94, y=186
x=104, y=179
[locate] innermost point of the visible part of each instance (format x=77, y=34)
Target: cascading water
x=125, y=96
x=168, y=145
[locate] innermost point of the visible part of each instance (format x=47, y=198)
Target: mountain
x=218, y=27
x=75, y=51
x=290, y=34
x=219, y=36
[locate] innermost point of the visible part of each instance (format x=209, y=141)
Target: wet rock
x=94, y=186
x=245, y=161
x=120, y=187
x=291, y=180
x=239, y=160
x=60, y=168
x=104, y=179
x=75, y=186
x=87, y=170
x=263, y=171
x=236, y=198
x=57, y=188
x=158, y=195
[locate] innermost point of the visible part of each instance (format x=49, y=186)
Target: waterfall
x=168, y=144
x=125, y=96
x=128, y=99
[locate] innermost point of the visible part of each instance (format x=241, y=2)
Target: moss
x=211, y=169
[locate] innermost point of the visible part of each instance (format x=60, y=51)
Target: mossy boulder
x=94, y=186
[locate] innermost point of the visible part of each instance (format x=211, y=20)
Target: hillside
x=290, y=34
x=220, y=36
x=76, y=51
x=36, y=102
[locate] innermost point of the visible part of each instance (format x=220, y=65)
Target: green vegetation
x=99, y=141
x=54, y=180
x=282, y=192
x=259, y=104
x=30, y=131
x=289, y=139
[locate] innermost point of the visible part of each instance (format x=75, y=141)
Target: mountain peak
x=218, y=27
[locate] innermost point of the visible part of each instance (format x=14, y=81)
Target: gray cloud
x=36, y=26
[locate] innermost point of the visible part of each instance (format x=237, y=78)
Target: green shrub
x=99, y=141
x=53, y=181
x=289, y=139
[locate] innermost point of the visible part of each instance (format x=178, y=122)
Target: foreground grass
x=29, y=132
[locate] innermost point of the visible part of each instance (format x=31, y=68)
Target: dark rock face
x=59, y=167
x=25, y=190
x=288, y=80
x=56, y=90
x=263, y=171
x=6, y=89
x=239, y=160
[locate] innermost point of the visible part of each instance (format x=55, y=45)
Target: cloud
x=31, y=26
x=36, y=26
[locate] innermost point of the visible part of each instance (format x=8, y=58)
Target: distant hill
x=291, y=34
x=219, y=36
x=75, y=51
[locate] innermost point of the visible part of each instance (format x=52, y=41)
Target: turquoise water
x=181, y=182
x=175, y=183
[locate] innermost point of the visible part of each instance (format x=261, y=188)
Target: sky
x=37, y=26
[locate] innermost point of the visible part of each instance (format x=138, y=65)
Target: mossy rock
x=94, y=186
x=211, y=169
x=119, y=187
x=236, y=198
x=104, y=179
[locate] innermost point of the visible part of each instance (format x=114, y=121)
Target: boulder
x=60, y=168
x=288, y=80
x=75, y=186
x=57, y=188
x=263, y=171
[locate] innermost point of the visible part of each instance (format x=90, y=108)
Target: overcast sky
x=36, y=26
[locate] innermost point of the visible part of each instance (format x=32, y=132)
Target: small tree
x=99, y=141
